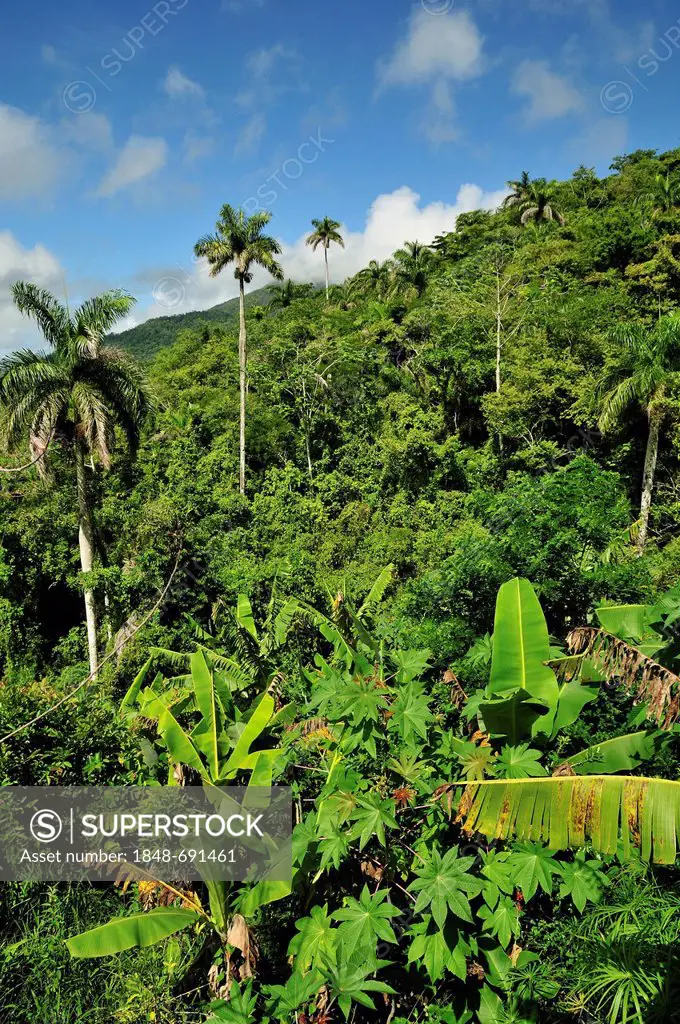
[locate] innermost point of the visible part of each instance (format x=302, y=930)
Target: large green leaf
x=206, y=700
x=521, y=646
x=628, y=621
x=513, y=715
x=178, y=743
x=244, y=615
x=284, y=620
x=566, y=812
x=573, y=697
x=254, y=727
x=130, y=697
x=132, y=932
x=377, y=591
x=621, y=754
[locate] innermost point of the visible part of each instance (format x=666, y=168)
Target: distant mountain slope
x=145, y=340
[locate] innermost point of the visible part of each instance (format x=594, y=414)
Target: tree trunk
x=499, y=334
x=86, y=542
x=499, y=346
x=325, y=256
x=242, y=367
x=648, y=478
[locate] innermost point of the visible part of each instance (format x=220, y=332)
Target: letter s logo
x=46, y=826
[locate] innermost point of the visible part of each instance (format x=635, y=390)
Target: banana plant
x=583, y=802
x=199, y=729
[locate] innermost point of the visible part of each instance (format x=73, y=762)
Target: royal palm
x=647, y=363
x=75, y=396
x=413, y=265
x=537, y=200
x=325, y=232
x=241, y=240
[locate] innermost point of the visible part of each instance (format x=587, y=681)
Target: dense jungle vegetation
x=438, y=576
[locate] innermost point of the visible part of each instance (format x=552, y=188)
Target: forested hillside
x=148, y=338
x=500, y=405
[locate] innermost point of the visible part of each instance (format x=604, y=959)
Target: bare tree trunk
x=648, y=478
x=499, y=327
x=242, y=366
x=499, y=345
x=310, y=468
x=86, y=542
x=325, y=256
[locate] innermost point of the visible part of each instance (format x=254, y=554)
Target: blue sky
x=124, y=127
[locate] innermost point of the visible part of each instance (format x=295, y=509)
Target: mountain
x=145, y=340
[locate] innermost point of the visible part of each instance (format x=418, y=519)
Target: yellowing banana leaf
x=132, y=932
x=566, y=812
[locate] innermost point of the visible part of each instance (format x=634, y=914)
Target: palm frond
x=620, y=398
x=41, y=306
x=95, y=318
x=651, y=683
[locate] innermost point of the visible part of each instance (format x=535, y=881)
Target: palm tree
x=650, y=359
x=325, y=232
x=240, y=240
x=519, y=190
x=665, y=195
x=537, y=201
x=376, y=278
x=284, y=295
x=413, y=265
x=75, y=396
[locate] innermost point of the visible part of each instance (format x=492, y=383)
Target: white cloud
x=448, y=46
x=439, y=124
x=550, y=95
x=197, y=147
x=91, y=130
x=251, y=136
x=51, y=56
x=139, y=158
x=393, y=218
x=178, y=85
x=16, y=263
x=30, y=159
x=436, y=51
x=271, y=72
x=262, y=62
x=623, y=43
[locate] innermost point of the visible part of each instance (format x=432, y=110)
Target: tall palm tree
x=519, y=190
x=325, y=232
x=74, y=395
x=649, y=362
x=240, y=239
x=536, y=200
x=413, y=265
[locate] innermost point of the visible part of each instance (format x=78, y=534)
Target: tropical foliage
x=445, y=614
